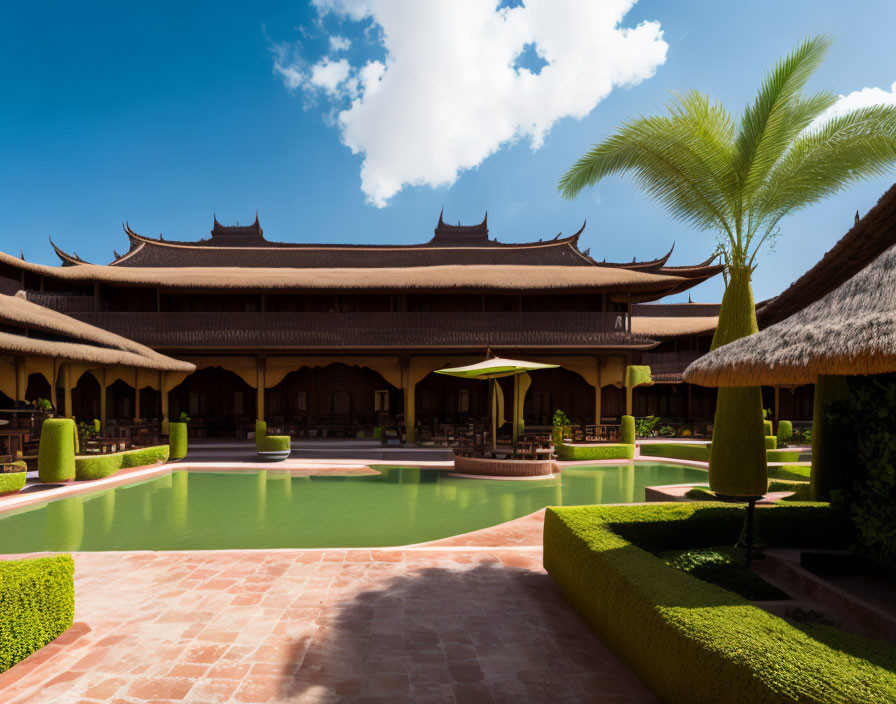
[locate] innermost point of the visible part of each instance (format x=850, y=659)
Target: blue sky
x=163, y=113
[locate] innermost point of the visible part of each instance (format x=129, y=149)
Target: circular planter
x=485, y=467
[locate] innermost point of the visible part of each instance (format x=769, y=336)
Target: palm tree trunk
x=737, y=462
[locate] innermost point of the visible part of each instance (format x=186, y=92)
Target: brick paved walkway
x=431, y=624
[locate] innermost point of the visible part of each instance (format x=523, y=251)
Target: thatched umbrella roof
x=30, y=329
x=851, y=330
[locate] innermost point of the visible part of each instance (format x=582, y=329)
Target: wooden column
x=53, y=398
x=67, y=385
x=21, y=379
x=597, y=394
x=259, y=380
x=409, y=387
x=136, y=394
x=101, y=377
x=163, y=397
x=777, y=407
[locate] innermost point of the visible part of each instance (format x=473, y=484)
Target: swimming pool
x=267, y=509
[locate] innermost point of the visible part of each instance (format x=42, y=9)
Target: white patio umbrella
x=493, y=369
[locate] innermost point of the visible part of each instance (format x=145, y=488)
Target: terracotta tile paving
x=427, y=624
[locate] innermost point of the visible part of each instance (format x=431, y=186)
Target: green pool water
x=268, y=509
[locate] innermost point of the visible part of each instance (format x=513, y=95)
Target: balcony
x=668, y=366
x=367, y=331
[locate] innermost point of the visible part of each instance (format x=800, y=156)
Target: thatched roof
x=865, y=241
x=660, y=328
x=516, y=278
x=31, y=329
x=851, y=330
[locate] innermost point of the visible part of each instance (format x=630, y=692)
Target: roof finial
x=857, y=217
x=441, y=213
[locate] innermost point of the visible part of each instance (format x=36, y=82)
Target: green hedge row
x=611, y=451
x=691, y=641
x=771, y=442
x=700, y=451
x=627, y=430
x=11, y=482
x=783, y=455
x=677, y=451
x=37, y=604
x=99, y=466
x=789, y=471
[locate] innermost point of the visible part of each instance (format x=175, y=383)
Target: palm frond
x=681, y=160
x=827, y=159
x=766, y=127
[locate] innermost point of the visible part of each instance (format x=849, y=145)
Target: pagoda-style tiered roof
x=245, y=246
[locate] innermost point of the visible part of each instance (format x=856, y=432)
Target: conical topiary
x=737, y=460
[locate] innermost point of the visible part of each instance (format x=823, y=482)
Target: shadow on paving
x=471, y=633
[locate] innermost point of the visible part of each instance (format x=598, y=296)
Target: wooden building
x=339, y=338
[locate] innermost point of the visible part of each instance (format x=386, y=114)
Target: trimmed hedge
x=767, y=427
x=99, y=466
x=627, y=430
x=269, y=443
x=56, y=452
x=677, y=451
x=790, y=471
x=11, y=482
x=272, y=443
x=177, y=440
x=700, y=452
x=638, y=375
x=707, y=644
x=771, y=443
x=611, y=451
x=783, y=455
x=785, y=431
x=37, y=604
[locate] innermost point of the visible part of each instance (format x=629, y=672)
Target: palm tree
x=740, y=180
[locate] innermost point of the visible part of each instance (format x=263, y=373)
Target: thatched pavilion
x=850, y=331
x=35, y=340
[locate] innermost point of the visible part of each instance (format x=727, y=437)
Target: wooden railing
x=669, y=362
x=367, y=330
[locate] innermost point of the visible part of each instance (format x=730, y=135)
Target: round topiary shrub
x=56, y=453
x=177, y=440
x=627, y=431
x=785, y=432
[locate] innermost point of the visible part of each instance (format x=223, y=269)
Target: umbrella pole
x=516, y=409
x=494, y=383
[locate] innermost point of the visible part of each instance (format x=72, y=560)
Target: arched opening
x=85, y=398
x=337, y=400
x=120, y=401
x=556, y=389
x=219, y=403
x=37, y=387
x=451, y=400
x=150, y=404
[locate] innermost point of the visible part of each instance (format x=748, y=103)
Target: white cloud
x=330, y=75
x=447, y=94
x=864, y=98
x=338, y=43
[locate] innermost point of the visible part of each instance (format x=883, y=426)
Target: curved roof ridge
x=67, y=259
